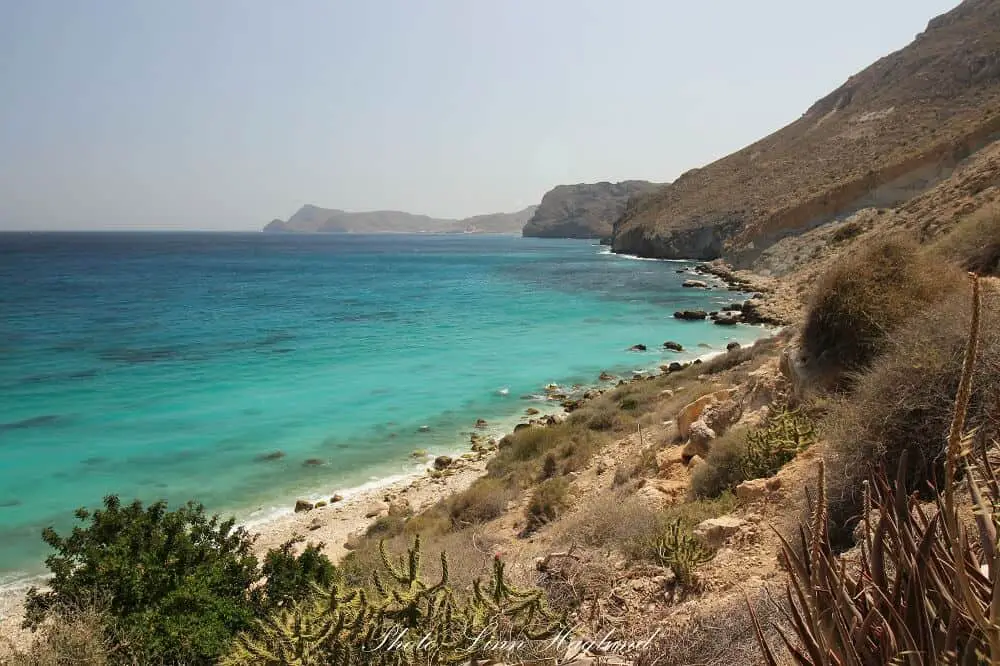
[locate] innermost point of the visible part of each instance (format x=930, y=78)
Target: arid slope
x=886, y=135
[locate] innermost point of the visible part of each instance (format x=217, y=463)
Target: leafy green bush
x=863, y=299
x=290, y=577
x=177, y=585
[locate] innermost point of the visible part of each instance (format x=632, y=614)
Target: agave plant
x=921, y=590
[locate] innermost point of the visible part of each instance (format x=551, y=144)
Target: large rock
x=303, y=505
x=712, y=533
x=639, y=347
x=693, y=410
x=720, y=416
x=700, y=437
x=443, y=462
x=673, y=346
x=751, y=490
x=695, y=284
x=585, y=210
x=690, y=315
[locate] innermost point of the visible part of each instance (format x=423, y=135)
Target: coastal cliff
x=584, y=210
x=890, y=133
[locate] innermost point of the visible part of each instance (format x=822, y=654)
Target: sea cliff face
x=583, y=210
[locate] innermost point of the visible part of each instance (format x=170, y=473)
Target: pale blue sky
x=223, y=114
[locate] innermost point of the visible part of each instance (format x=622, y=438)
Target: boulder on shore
x=376, y=509
x=443, y=462
x=336, y=498
x=303, y=505
x=690, y=315
x=673, y=346
x=606, y=376
x=732, y=346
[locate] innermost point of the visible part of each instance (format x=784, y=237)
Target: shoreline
x=336, y=523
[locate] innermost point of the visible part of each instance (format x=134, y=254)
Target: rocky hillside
x=585, y=210
x=888, y=134
x=310, y=219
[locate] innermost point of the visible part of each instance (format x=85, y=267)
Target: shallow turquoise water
x=166, y=365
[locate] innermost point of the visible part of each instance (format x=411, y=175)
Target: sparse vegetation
x=752, y=454
x=904, y=404
x=547, y=502
x=863, y=300
x=918, y=591
x=974, y=243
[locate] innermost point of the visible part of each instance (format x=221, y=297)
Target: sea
x=245, y=370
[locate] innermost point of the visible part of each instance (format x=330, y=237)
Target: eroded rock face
x=693, y=410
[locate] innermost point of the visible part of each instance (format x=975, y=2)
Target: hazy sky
x=223, y=114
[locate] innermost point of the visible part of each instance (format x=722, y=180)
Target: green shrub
x=863, y=299
x=547, y=502
x=176, y=585
x=290, y=577
x=903, y=404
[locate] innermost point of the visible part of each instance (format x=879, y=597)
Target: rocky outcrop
x=313, y=219
x=585, y=210
x=888, y=134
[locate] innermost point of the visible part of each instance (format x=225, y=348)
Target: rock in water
x=690, y=315
x=639, y=347
x=673, y=346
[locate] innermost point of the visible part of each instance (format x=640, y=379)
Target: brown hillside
x=886, y=135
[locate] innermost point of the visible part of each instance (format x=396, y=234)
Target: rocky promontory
x=584, y=210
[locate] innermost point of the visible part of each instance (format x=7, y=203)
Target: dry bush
x=547, y=503
x=611, y=523
x=723, y=467
x=646, y=541
x=73, y=635
x=905, y=403
x=483, y=501
x=735, y=357
x=974, y=243
x=721, y=636
x=864, y=298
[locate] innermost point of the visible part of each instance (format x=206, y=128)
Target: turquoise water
x=168, y=365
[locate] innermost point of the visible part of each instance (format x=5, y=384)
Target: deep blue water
x=166, y=365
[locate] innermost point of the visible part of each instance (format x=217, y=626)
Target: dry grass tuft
x=864, y=298
x=974, y=243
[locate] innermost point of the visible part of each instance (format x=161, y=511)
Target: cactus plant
x=786, y=434
x=405, y=621
x=678, y=550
